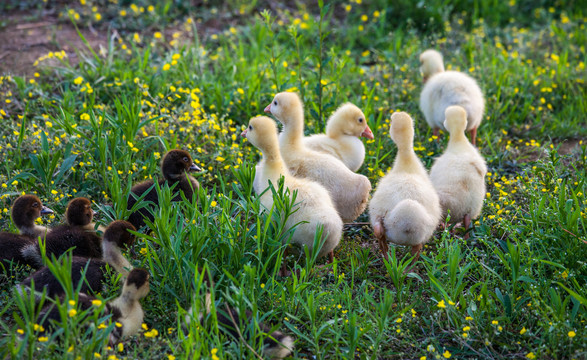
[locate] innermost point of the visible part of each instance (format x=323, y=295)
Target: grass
x=177, y=77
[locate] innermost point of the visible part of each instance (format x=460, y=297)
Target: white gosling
x=343, y=130
x=349, y=191
x=459, y=174
x=405, y=208
x=315, y=206
x=445, y=88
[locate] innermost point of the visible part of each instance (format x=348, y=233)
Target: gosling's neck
x=457, y=142
x=406, y=159
x=293, y=131
x=274, y=166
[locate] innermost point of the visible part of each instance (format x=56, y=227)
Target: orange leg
x=380, y=235
x=466, y=224
x=473, y=136
x=416, y=250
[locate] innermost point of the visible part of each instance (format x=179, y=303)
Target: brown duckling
x=175, y=167
x=11, y=246
x=62, y=238
x=91, y=283
x=275, y=346
x=79, y=213
x=126, y=309
x=25, y=210
x=115, y=236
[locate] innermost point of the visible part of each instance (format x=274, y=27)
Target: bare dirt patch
x=24, y=40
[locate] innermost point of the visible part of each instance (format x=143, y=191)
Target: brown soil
x=27, y=38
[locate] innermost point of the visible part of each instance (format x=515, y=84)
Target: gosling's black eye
x=185, y=159
x=250, y=127
x=275, y=102
x=35, y=204
x=360, y=120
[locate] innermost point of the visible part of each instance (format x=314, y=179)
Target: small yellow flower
x=120, y=347
x=166, y=67
x=531, y=355
x=447, y=354
x=523, y=331
x=78, y=80
x=262, y=286
x=572, y=334
x=43, y=339
x=441, y=304
x=96, y=302
x=495, y=322
x=72, y=312
x=20, y=331
x=170, y=357
x=398, y=320
x=213, y=203
x=70, y=349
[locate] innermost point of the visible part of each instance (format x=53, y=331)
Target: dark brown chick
x=25, y=210
x=175, y=167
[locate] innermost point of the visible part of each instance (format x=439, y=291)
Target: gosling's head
x=26, y=209
x=430, y=63
x=348, y=119
x=79, y=212
x=136, y=285
x=176, y=163
x=455, y=119
x=401, y=129
x=261, y=132
x=284, y=105
x=117, y=233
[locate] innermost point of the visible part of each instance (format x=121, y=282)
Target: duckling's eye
x=275, y=102
x=185, y=159
x=250, y=127
x=35, y=204
x=360, y=120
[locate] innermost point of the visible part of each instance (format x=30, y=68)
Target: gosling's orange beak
x=367, y=133
x=268, y=109
x=244, y=133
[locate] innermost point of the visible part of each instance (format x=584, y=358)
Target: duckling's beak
x=195, y=167
x=244, y=133
x=367, y=133
x=268, y=109
x=46, y=211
